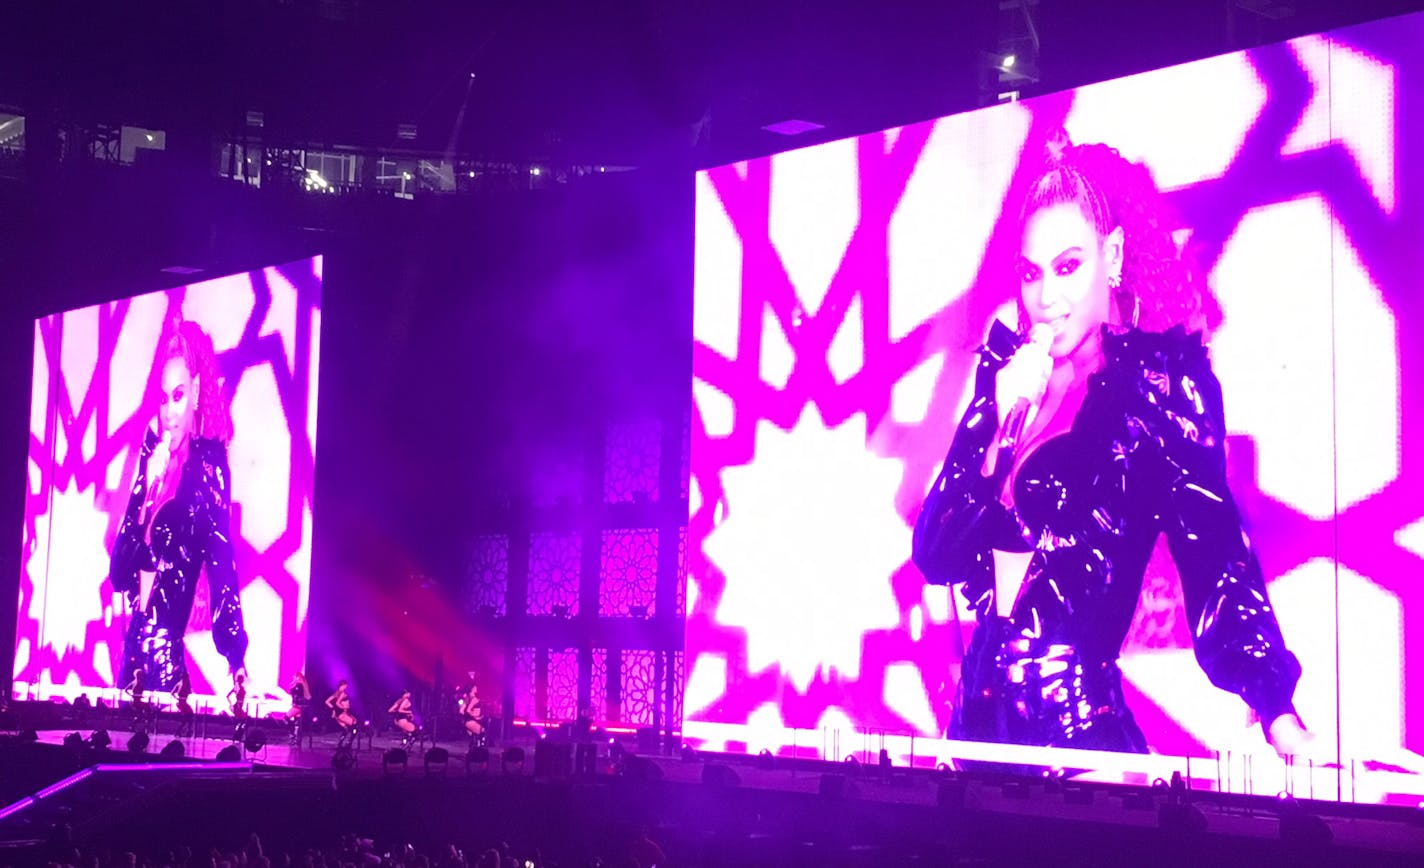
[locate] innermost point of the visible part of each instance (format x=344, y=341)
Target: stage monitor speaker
x=640, y=768
x=834, y=786
x=256, y=740
x=172, y=751
x=229, y=754
x=138, y=742
x=553, y=759
x=720, y=776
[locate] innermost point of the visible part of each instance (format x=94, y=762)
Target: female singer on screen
x=471, y=713
x=1093, y=431
x=176, y=525
x=340, y=705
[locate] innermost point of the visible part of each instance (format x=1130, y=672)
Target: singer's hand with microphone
x=1023, y=380
x=158, y=461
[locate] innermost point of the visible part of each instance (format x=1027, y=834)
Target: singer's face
x=1063, y=276
x=178, y=401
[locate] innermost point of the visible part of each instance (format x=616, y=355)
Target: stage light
x=1302, y=828
x=689, y=754
x=512, y=756
x=99, y=738
x=477, y=758
x=138, y=742
x=1008, y=61
x=392, y=758
x=535, y=171
x=472, y=174
x=74, y=740
x=229, y=754
x=437, y=757
x=255, y=741
x=718, y=776
x=173, y=750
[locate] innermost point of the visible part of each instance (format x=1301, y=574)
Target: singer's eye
x=177, y=394
x=1028, y=273
x=1067, y=267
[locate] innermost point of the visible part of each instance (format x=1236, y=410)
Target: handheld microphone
x=1040, y=338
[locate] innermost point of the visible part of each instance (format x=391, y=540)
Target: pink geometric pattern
x=555, y=560
x=563, y=685
x=631, y=457
x=639, y=688
x=840, y=293
x=628, y=573
x=94, y=395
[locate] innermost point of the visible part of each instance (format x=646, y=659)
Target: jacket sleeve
x=213, y=520
x=130, y=552
x=1237, y=639
x=962, y=519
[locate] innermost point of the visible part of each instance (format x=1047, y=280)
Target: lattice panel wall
x=598, y=685
x=487, y=574
x=628, y=573
x=640, y=689
x=554, y=561
x=558, y=479
x=563, y=685
x=632, y=455
x=524, y=683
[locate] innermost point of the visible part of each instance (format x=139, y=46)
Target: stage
x=540, y=784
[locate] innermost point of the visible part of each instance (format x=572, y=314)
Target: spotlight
x=512, y=756
x=255, y=741
x=1008, y=61
x=437, y=757
x=99, y=739
x=229, y=754
x=138, y=742
x=392, y=758
x=536, y=171
x=718, y=776
x=173, y=750
x=1301, y=828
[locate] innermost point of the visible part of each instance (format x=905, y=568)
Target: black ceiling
x=599, y=80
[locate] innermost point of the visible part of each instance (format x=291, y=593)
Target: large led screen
x=1210, y=518
x=168, y=511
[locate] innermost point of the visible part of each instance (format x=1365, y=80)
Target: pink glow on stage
x=840, y=292
x=92, y=401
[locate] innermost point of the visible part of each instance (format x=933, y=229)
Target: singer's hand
x=1025, y=376
x=158, y=461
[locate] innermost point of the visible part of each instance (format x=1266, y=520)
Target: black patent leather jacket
x=1145, y=456
x=188, y=535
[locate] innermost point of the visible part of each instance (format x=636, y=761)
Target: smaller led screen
x=168, y=505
